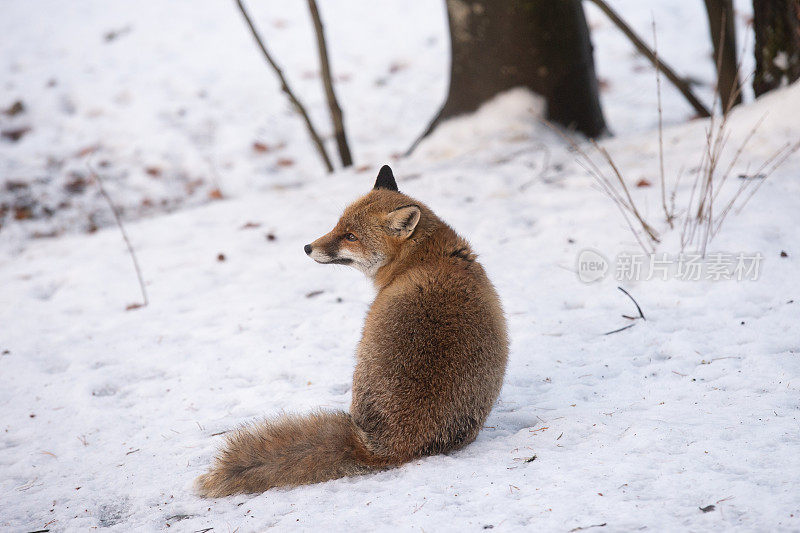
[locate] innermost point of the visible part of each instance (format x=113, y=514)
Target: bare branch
x=739, y=153
x=625, y=204
x=676, y=80
x=645, y=226
x=330, y=95
x=431, y=126
x=777, y=159
x=623, y=328
x=286, y=89
x=118, y=219
x=639, y=309
x=641, y=315
x=662, y=179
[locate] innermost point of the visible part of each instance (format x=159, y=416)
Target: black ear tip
x=385, y=179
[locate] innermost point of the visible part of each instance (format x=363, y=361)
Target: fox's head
x=372, y=230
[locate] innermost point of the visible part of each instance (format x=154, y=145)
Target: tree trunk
x=723, y=36
x=543, y=45
x=777, y=28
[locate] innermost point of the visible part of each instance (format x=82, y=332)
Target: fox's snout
x=327, y=250
x=322, y=250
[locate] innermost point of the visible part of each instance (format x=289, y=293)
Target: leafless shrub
x=704, y=210
x=616, y=189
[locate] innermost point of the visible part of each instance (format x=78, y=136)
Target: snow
x=108, y=415
x=183, y=91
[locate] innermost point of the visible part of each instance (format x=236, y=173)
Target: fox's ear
x=403, y=220
x=385, y=179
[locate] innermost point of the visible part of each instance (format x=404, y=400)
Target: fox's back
x=433, y=353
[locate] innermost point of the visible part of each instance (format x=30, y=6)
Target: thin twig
x=739, y=153
x=716, y=139
x=645, y=226
x=639, y=309
x=674, y=193
x=703, y=216
x=124, y=236
x=661, y=133
x=780, y=156
x=330, y=95
x=613, y=195
x=428, y=130
x=589, y=166
x=286, y=89
x=545, y=166
x=676, y=80
x=687, y=234
x=586, y=527
x=608, y=188
x=618, y=330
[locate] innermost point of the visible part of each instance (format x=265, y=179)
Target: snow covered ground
x=107, y=415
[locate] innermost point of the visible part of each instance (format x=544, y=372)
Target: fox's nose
x=307, y=249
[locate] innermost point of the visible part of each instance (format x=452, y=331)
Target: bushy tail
x=288, y=451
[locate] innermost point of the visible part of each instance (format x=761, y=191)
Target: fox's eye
x=350, y=237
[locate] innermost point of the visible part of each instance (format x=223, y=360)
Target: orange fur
x=429, y=366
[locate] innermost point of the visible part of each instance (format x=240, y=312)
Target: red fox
x=429, y=366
